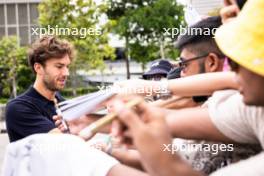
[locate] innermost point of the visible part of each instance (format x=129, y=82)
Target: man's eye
x=59, y=67
x=185, y=65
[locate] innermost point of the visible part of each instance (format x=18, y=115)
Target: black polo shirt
x=29, y=113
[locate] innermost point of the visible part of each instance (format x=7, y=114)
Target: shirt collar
x=35, y=94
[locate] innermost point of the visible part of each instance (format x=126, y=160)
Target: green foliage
x=15, y=74
x=143, y=53
x=81, y=15
x=80, y=91
x=3, y=100
x=143, y=23
x=91, y=48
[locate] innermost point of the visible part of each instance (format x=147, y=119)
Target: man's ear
x=38, y=68
x=212, y=63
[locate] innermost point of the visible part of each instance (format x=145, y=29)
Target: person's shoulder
x=226, y=94
x=233, y=101
x=20, y=102
x=223, y=97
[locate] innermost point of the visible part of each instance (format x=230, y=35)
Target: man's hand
x=128, y=157
x=76, y=125
x=229, y=11
x=144, y=118
x=148, y=131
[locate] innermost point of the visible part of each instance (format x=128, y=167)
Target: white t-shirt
x=241, y=123
x=54, y=155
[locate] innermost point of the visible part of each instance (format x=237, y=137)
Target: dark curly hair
x=48, y=47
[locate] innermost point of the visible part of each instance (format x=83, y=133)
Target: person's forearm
x=121, y=170
x=203, y=84
x=128, y=157
x=169, y=164
x=193, y=123
x=175, y=102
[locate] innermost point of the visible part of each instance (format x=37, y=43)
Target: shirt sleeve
x=231, y=116
x=25, y=119
x=251, y=166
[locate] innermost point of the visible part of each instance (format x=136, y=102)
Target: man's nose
x=66, y=71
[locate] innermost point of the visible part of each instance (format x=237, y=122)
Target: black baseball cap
x=159, y=67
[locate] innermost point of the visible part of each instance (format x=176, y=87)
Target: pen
x=93, y=128
x=58, y=111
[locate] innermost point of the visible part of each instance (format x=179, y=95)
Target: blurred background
x=120, y=40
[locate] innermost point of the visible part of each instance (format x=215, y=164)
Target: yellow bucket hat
x=242, y=39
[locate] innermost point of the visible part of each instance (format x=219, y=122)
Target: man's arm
x=175, y=102
x=193, y=123
x=121, y=170
x=79, y=124
x=149, y=136
x=128, y=157
x=201, y=84
x=24, y=119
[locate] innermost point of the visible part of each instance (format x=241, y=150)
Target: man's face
x=191, y=67
x=156, y=77
x=55, y=73
x=251, y=87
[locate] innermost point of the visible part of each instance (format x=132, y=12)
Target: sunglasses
x=157, y=77
x=184, y=62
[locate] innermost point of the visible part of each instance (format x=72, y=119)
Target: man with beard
x=232, y=119
x=32, y=112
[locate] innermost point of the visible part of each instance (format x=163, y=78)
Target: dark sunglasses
x=156, y=77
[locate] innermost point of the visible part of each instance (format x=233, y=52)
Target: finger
x=58, y=122
x=127, y=116
x=116, y=128
x=56, y=117
x=229, y=2
x=61, y=128
x=229, y=11
x=142, y=107
x=127, y=134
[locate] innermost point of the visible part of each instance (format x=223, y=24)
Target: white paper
x=77, y=107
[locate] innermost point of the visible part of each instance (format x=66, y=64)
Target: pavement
x=2, y=127
x=3, y=143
